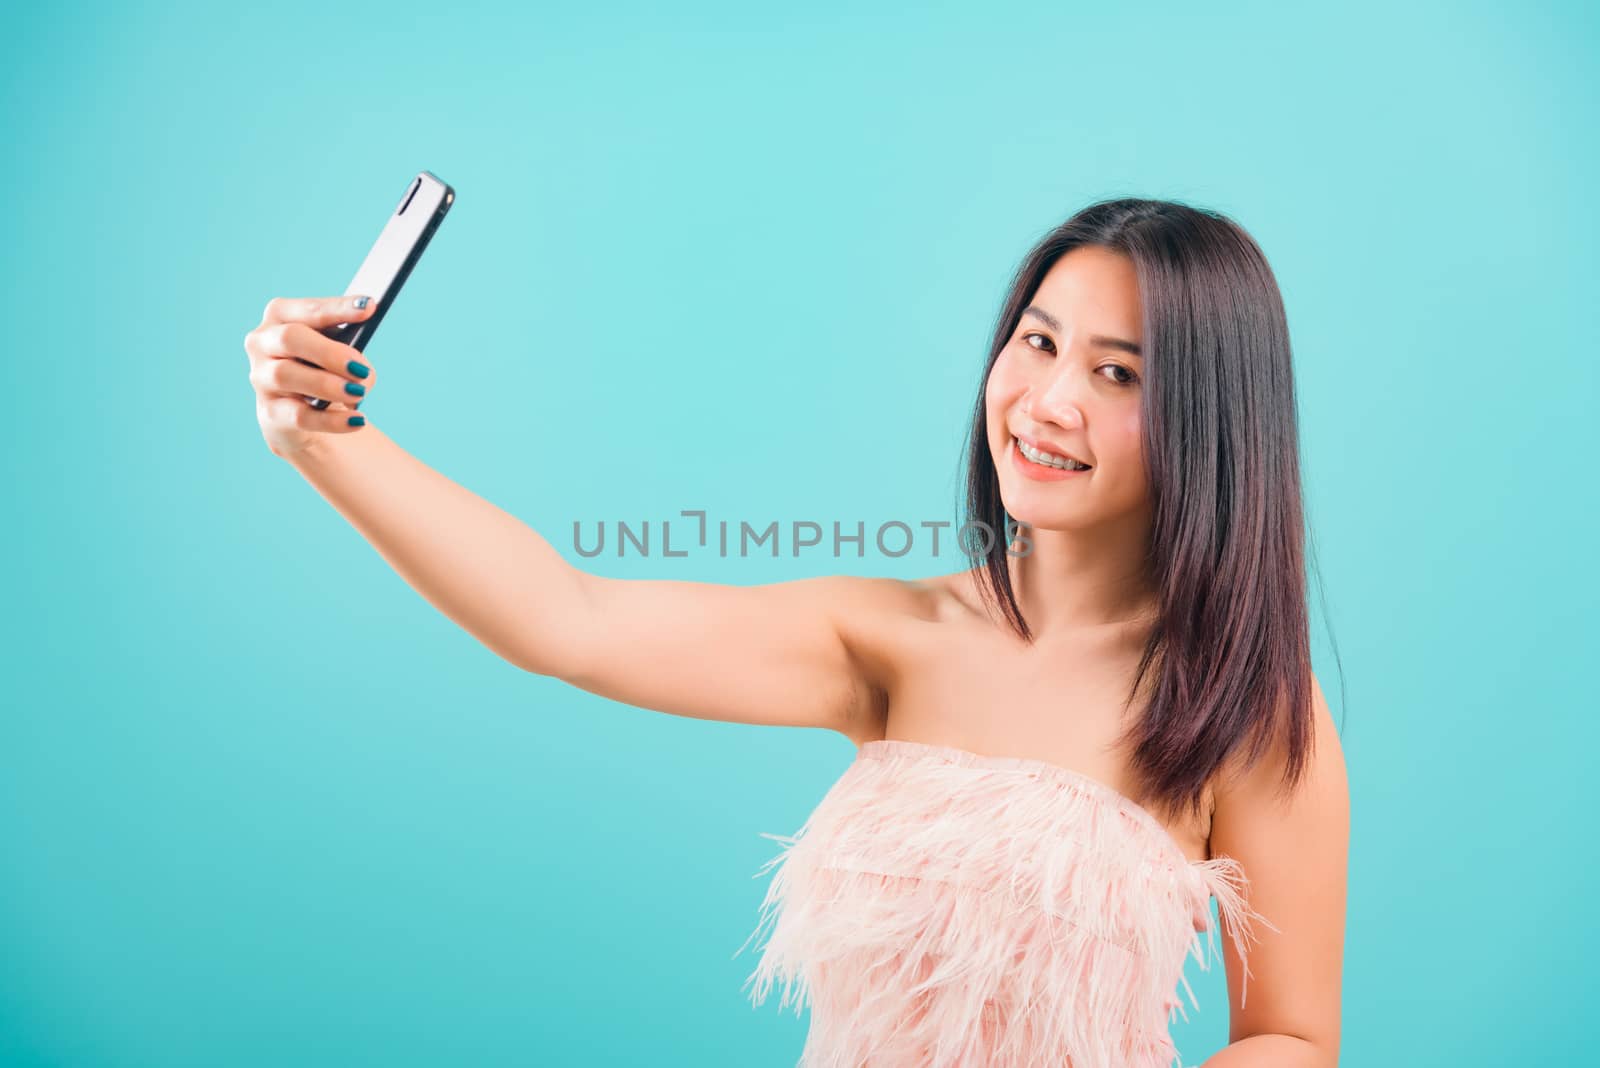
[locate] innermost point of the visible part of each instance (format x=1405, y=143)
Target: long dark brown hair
x=1230, y=646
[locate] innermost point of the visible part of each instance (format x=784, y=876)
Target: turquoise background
x=260, y=804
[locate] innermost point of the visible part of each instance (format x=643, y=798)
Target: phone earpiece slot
x=406, y=203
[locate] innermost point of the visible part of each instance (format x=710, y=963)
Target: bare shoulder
x=873, y=594
x=949, y=597
x=1261, y=784
x=880, y=621
x=864, y=605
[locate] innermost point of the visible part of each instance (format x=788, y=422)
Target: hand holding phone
x=300, y=353
x=390, y=261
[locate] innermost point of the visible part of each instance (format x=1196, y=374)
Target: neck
x=1075, y=579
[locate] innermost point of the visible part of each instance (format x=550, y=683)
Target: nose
x=1055, y=398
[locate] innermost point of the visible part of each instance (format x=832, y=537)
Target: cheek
x=995, y=395
x=1130, y=442
x=1131, y=424
x=1003, y=386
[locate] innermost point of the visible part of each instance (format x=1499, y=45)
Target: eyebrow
x=1095, y=339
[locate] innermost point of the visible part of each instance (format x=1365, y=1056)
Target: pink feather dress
x=944, y=908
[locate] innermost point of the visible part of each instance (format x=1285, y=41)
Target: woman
x=1065, y=751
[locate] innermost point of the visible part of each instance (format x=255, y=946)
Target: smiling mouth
x=1047, y=460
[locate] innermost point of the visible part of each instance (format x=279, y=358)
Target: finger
x=292, y=375
x=318, y=312
x=303, y=342
x=287, y=410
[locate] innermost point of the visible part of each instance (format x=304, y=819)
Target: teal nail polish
x=357, y=420
x=361, y=302
x=355, y=389
x=357, y=368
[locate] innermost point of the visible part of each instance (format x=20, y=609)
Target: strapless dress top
x=940, y=907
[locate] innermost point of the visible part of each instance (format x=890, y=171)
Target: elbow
x=1279, y=1048
x=557, y=643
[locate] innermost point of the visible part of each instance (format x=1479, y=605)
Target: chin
x=1037, y=516
x=1045, y=522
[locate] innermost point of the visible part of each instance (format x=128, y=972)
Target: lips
x=1040, y=445
x=1036, y=472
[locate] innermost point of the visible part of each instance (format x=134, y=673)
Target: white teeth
x=1049, y=459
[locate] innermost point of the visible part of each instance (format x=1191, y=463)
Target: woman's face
x=1065, y=384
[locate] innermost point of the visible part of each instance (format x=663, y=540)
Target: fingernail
x=357, y=368
x=361, y=302
x=355, y=389
x=357, y=420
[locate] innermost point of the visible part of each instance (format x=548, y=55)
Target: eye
x=1130, y=379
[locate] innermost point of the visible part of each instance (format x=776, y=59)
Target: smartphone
x=393, y=255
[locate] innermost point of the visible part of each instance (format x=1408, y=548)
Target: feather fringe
x=940, y=908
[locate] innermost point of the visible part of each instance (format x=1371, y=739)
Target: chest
x=1065, y=703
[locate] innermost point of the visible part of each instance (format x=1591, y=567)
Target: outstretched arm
x=784, y=654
